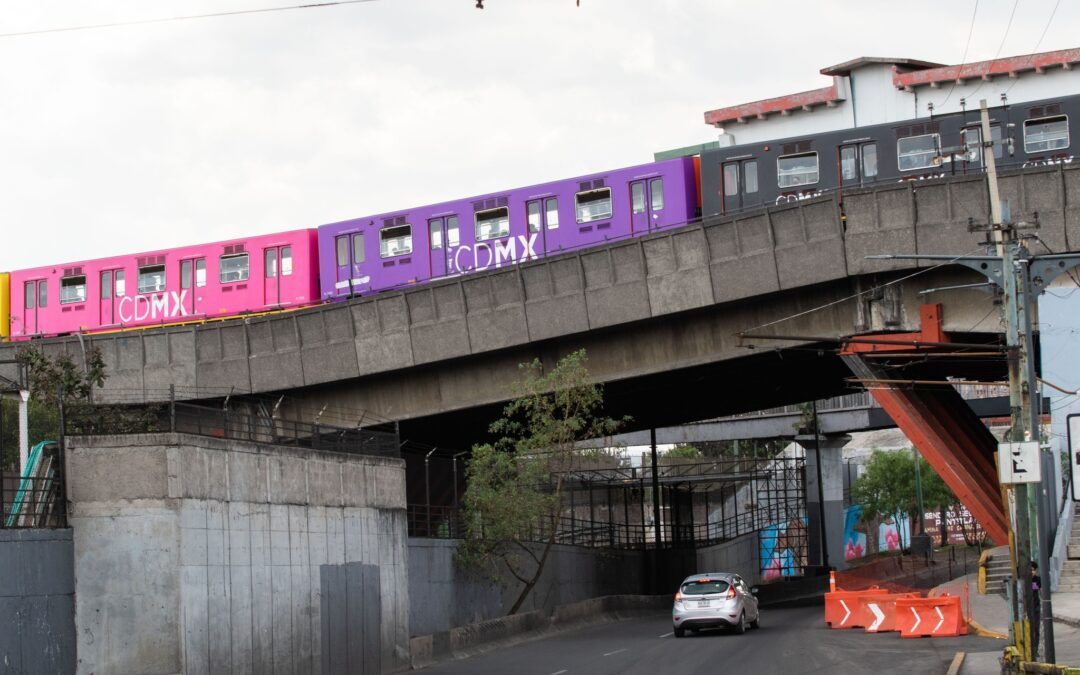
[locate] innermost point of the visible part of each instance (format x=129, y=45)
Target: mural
x=893, y=533
x=783, y=549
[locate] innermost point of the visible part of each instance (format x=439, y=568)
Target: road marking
x=879, y=616
x=667, y=635
x=918, y=620
x=847, y=612
x=615, y=652
x=559, y=672
x=941, y=619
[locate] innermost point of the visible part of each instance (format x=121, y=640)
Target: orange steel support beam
x=941, y=425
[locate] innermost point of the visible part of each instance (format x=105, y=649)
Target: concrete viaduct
x=660, y=317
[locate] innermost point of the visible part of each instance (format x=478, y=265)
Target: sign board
x=1018, y=462
x=1074, y=454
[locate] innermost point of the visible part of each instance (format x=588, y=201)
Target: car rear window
x=704, y=586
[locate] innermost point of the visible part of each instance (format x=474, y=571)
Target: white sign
x=1074, y=454
x=1018, y=462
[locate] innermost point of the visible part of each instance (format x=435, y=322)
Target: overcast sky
x=129, y=139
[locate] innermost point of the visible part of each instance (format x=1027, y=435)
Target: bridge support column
x=828, y=501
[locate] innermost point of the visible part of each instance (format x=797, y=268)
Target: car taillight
x=678, y=596
x=731, y=593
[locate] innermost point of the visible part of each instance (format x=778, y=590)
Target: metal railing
x=379, y=440
x=37, y=498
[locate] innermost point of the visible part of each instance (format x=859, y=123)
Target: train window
x=971, y=138
x=72, y=289
x=43, y=294
x=185, y=274
x=121, y=287
x=918, y=152
x=750, y=177
x=233, y=268
x=270, y=266
x=532, y=215
x=106, y=285
x=656, y=185
x=435, y=228
x=637, y=197
x=492, y=223
x=358, y=248
x=453, y=238
x=200, y=275
x=731, y=180
x=30, y=296
x=341, y=246
x=1048, y=133
x=869, y=160
x=395, y=241
x=593, y=205
x=796, y=170
x=151, y=278
x=286, y=261
x=849, y=162
x=551, y=205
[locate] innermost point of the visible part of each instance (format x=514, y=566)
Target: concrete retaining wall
x=442, y=596
x=741, y=555
x=200, y=555
x=37, y=601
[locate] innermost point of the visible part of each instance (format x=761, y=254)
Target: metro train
x=361, y=256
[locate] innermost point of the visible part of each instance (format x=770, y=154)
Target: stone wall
x=202, y=555
x=37, y=601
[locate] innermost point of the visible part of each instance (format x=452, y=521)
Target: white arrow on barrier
x=941, y=619
x=879, y=616
x=918, y=620
x=847, y=612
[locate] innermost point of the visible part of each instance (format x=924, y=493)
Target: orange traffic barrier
x=840, y=606
x=877, y=612
x=930, y=617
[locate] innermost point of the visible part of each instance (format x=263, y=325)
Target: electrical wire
x=1001, y=46
x=1037, y=44
x=140, y=22
x=963, y=59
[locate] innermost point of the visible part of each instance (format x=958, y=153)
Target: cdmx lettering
x=788, y=199
x=1053, y=161
x=485, y=255
x=167, y=305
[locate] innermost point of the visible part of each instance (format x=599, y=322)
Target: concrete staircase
x=1070, y=571
x=998, y=568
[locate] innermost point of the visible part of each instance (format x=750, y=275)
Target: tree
x=514, y=489
x=682, y=451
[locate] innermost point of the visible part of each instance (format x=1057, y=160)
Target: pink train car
x=191, y=283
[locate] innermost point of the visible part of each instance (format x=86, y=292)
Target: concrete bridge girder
x=669, y=302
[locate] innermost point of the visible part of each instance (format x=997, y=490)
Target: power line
x=1037, y=44
x=1001, y=46
x=140, y=22
x=963, y=59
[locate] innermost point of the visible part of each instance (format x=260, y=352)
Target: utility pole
x=1021, y=277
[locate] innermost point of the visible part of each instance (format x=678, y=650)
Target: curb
x=983, y=631
x=1067, y=620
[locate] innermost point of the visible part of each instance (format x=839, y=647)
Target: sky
x=136, y=138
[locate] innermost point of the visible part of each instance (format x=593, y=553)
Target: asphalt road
x=789, y=641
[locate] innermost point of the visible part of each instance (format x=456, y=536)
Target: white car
x=715, y=600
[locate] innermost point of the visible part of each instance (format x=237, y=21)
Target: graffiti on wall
x=783, y=549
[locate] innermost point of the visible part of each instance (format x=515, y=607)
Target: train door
x=272, y=273
x=349, y=254
x=192, y=277
x=739, y=183
x=646, y=202
x=538, y=219
x=36, y=297
x=858, y=164
x=437, y=250
x=107, y=303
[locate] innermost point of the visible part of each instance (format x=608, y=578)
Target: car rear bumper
x=711, y=622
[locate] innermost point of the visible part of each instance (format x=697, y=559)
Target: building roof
x=846, y=67
x=1011, y=66
x=804, y=100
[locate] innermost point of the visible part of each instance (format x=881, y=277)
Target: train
x=376, y=253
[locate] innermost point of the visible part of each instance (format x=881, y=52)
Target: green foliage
x=888, y=486
x=514, y=486
x=682, y=451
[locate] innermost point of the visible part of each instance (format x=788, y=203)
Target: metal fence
x=379, y=440
x=36, y=499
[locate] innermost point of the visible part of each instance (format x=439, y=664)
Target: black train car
x=741, y=177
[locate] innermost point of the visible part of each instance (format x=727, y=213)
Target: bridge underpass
x=658, y=316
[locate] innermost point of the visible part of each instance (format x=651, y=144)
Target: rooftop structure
x=878, y=90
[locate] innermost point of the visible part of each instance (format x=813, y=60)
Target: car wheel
x=679, y=632
x=756, y=623
x=740, y=627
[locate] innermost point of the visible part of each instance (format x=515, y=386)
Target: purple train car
x=374, y=253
